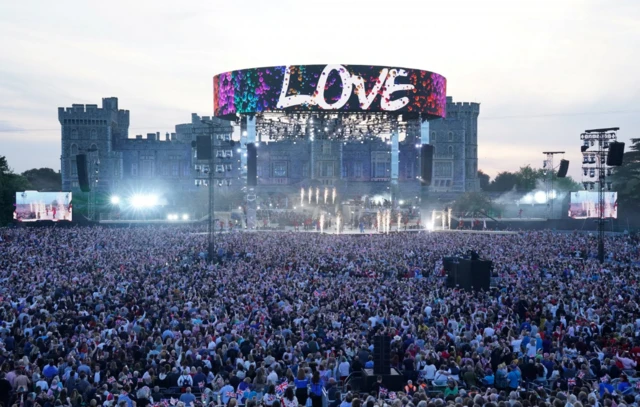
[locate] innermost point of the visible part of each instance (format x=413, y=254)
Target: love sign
x=333, y=87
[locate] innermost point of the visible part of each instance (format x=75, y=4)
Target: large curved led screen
x=347, y=88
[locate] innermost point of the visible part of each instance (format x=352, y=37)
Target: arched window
x=450, y=136
x=433, y=136
x=450, y=150
x=94, y=134
x=74, y=134
x=74, y=149
x=94, y=147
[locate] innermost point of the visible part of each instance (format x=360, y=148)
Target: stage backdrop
x=584, y=204
x=348, y=88
x=33, y=206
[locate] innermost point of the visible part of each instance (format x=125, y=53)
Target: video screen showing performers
x=584, y=204
x=34, y=206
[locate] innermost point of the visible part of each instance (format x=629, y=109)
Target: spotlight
x=540, y=197
x=115, y=200
x=185, y=217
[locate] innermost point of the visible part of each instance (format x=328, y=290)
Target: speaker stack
x=615, y=154
x=426, y=164
x=203, y=148
x=252, y=165
x=467, y=274
x=83, y=174
x=381, y=355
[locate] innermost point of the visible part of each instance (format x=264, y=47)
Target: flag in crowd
x=571, y=382
x=383, y=391
x=392, y=395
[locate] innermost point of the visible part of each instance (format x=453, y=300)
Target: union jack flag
x=580, y=375
x=383, y=391
x=111, y=380
x=201, y=384
x=604, y=379
x=571, y=382
x=282, y=387
x=392, y=395
x=139, y=379
x=173, y=401
x=230, y=394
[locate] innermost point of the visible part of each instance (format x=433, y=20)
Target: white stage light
x=185, y=217
x=144, y=201
x=115, y=200
x=528, y=198
x=401, y=202
x=429, y=226
x=169, y=217
x=137, y=201
x=540, y=197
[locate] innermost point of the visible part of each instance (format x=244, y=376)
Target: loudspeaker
x=450, y=265
x=474, y=275
x=564, y=167
x=426, y=164
x=203, y=147
x=252, y=165
x=615, y=154
x=83, y=175
x=381, y=355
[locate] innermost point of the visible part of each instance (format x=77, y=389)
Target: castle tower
x=94, y=131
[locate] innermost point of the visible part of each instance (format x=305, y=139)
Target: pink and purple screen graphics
x=584, y=204
x=34, y=206
x=346, y=88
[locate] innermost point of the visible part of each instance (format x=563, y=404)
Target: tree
x=484, y=180
x=473, y=202
x=626, y=179
x=44, y=179
x=10, y=183
x=528, y=177
x=503, y=182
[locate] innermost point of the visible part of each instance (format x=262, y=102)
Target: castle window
x=228, y=167
x=357, y=169
x=443, y=169
x=433, y=136
x=74, y=149
x=279, y=169
x=134, y=169
x=94, y=134
x=326, y=168
x=94, y=148
x=450, y=136
x=175, y=169
x=305, y=170
x=326, y=147
x=450, y=149
x=74, y=134
x=74, y=184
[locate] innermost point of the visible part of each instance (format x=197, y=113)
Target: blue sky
x=543, y=71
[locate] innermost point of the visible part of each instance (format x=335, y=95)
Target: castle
x=168, y=166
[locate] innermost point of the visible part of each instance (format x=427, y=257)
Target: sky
x=543, y=71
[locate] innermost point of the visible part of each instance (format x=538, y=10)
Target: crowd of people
x=136, y=317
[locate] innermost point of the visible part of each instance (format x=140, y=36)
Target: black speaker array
x=381, y=355
x=564, y=167
x=469, y=275
x=203, y=147
x=615, y=154
x=83, y=175
x=426, y=164
x=252, y=165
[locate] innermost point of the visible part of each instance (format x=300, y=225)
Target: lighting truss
x=275, y=126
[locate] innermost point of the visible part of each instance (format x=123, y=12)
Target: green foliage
x=473, y=202
x=526, y=179
x=484, y=180
x=10, y=183
x=44, y=179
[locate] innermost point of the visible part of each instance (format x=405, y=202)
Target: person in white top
x=429, y=371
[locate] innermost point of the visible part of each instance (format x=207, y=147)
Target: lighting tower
x=594, y=166
x=550, y=173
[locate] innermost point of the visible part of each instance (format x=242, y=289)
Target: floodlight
x=185, y=217
x=115, y=200
x=540, y=197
